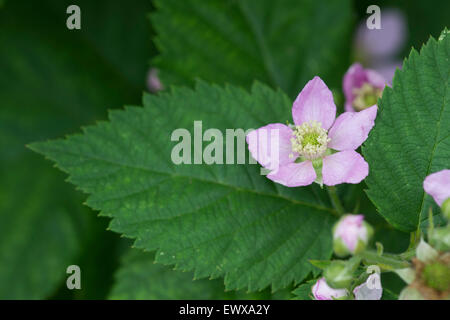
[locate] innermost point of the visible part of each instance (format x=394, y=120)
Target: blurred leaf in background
x=281, y=43
x=139, y=277
x=52, y=81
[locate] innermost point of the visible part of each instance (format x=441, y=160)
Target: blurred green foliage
x=52, y=81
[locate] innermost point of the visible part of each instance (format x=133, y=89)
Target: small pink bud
x=351, y=235
x=322, y=291
x=153, y=82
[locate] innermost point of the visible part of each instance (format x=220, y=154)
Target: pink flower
x=387, y=70
x=384, y=43
x=437, y=185
x=318, y=148
x=362, y=88
x=322, y=291
x=369, y=290
x=351, y=235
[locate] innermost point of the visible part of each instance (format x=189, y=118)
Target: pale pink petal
x=375, y=78
x=153, y=82
x=349, y=107
x=369, y=290
x=314, y=103
x=294, y=174
x=437, y=185
x=383, y=44
x=344, y=167
x=387, y=70
x=351, y=129
x=322, y=291
x=271, y=145
x=350, y=229
x=353, y=78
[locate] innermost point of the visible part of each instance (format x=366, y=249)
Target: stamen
x=366, y=96
x=310, y=140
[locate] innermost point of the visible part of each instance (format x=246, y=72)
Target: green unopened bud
x=440, y=238
x=446, y=208
x=437, y=276
x=338, y=275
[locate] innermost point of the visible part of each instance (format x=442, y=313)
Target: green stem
x=335, y=200
x=387, y=262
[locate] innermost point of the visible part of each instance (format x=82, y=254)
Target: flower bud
x=322, y=291
x=351, y=235
x=437, y=276
x=440, y=238
x=338, y=275
x=153, y=82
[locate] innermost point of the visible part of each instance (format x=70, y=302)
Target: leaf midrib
x=277, y=195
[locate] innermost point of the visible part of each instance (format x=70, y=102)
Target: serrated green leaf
x=304, y=291
x=321, y=264
x=283, y=43
x=53, y=80
x=218, y=220
x=411, y=138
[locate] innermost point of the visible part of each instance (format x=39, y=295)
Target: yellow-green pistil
x=310, y=140
x=366, y=96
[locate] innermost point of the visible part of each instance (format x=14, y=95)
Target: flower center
x=366, y=96
x=310, y=140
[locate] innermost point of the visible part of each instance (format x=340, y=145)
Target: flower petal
x=351, y=129
x=350, y=229
x=294, y=174
x=271, y=145
x=369, y=290
x=354, y=78
x=385, y=43
x=437, y=185
x=375, y=79
x=314, y=103
x=322, y=291
x=387, y=70
x=344, y=167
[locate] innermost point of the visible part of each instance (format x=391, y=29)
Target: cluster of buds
x=341, y=281
x=429, y=276
x=427, y=273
